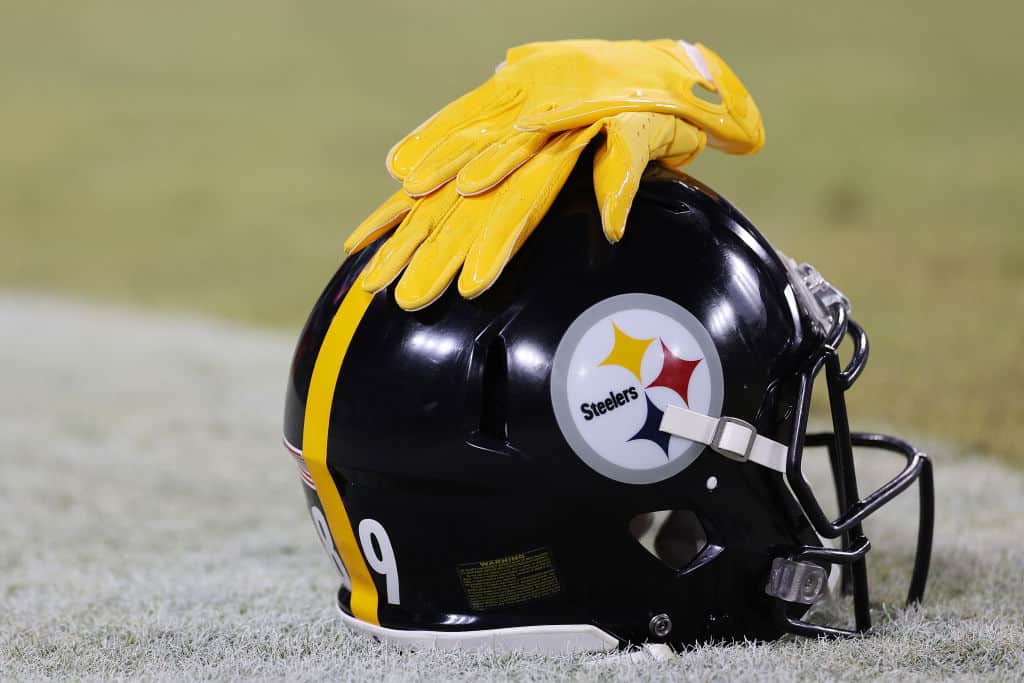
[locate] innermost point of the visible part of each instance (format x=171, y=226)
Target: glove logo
x=617, y=367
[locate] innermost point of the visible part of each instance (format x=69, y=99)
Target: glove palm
x=544, y=88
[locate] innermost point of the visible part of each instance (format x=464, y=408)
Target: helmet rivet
x=660, y=625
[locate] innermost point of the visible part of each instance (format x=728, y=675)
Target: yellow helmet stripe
x=314, y=446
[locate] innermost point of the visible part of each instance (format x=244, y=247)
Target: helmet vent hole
x=675, y=537
x=494, y=392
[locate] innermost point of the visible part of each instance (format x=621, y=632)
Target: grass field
x=155, y=530
x=212, y=156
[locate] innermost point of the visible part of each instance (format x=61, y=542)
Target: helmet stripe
x=314, y=446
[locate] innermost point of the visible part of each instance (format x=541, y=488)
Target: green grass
x=212, y=156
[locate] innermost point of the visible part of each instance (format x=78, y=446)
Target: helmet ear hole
x=674, y=537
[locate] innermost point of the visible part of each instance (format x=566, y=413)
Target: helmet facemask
x=793, y=581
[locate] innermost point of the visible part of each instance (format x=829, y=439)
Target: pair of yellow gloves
x=479, y=175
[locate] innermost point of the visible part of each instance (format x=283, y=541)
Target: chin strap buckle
x=731, y=437
x=734, y=438
x=794, y=581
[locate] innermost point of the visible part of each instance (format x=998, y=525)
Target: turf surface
x=155, y=530
x=211, y=156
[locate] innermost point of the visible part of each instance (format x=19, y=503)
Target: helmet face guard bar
x=852, y=509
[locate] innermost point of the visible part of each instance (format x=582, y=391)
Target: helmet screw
x=660, y=625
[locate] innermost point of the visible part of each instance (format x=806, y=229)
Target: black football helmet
x=604, y=449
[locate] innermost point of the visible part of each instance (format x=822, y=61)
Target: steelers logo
x=617, y=368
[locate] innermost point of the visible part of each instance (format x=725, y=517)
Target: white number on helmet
x=370, y=530
x=324, y=532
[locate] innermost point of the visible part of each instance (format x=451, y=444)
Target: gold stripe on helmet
x=314, y=447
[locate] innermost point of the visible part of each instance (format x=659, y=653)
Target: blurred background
x=211, y=157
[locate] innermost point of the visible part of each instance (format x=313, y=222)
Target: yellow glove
x=441, y=232
x=632, y=140
x=543, y=88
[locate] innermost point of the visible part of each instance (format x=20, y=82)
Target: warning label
x=509, y=580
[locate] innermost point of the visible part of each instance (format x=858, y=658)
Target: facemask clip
x=794, y=581
x=814, y=293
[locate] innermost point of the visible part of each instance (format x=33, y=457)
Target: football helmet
x=603, y=449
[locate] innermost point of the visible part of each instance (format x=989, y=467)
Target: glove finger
x=686, y=143
x=457, y=147
x=408, y=151
x=384, y=217
x=436, y=261
x=517, y=206
x=676, y=139
x=682, y=159
x=392, y=257
x=631, y=141
x=498, y=93
x=495, y=163
x=618, y=165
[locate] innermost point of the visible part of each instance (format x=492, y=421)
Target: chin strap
x=734, y=438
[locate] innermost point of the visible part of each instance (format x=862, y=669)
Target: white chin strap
x=730, y=436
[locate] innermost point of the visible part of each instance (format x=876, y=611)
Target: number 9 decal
x=380, y=555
